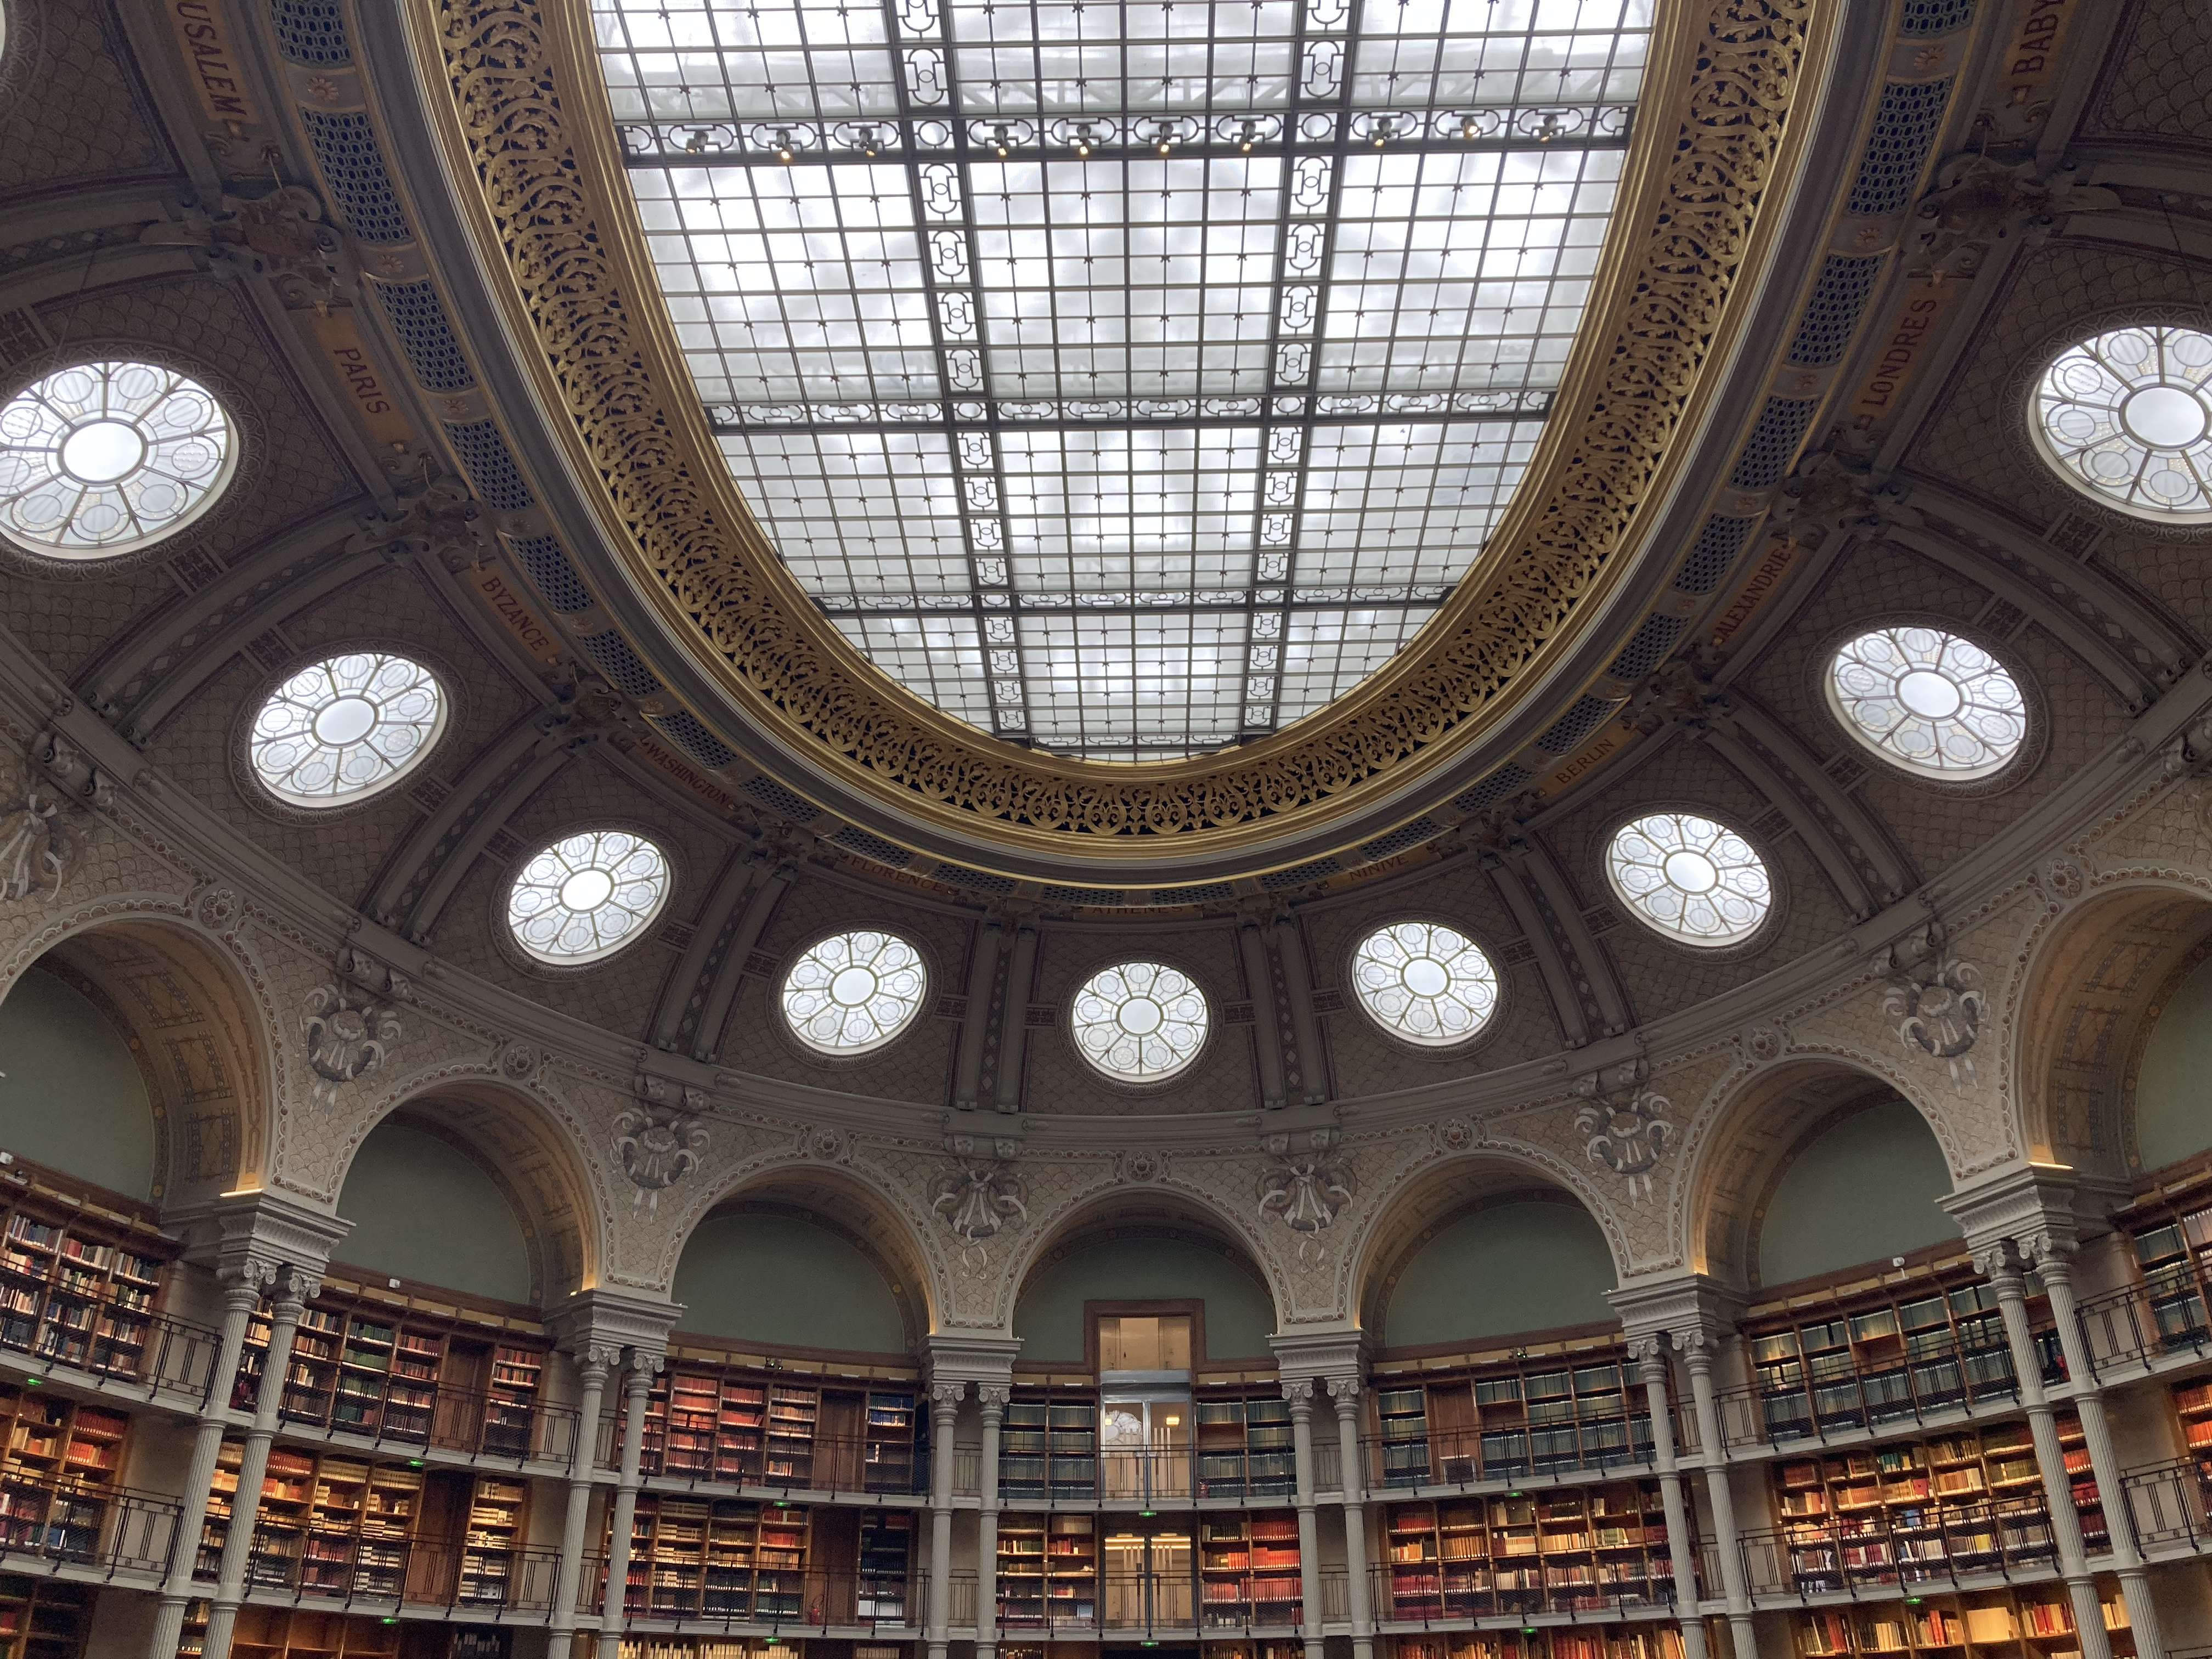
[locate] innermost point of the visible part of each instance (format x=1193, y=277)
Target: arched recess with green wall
x=2173, y=1081
x=73, y=1096
x=1525, y=1263
x=423, y=1209
x=767, y=1273
x=1143, y=1265
x=1862, y=1187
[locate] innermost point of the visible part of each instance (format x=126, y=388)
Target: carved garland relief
x=582, y=293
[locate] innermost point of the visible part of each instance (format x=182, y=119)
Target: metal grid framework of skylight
x=1127, y=380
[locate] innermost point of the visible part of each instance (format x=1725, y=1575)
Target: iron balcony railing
x=1614, y=1581
x=475, y=1423
x=1844, y=1555
x=156, y=1352
x=701, y=1594
x=1466, y=1457
x=1143, y=1474
x=2168, y=1502
x=114, y=1528
x=2139, y=1323
x=342, y=1566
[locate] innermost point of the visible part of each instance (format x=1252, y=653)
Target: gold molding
x=531, y=131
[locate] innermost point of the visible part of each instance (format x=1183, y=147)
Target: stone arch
x=2084, y=1004
x=195, y=1007
x=525, y=1144
x=1447, y=1193
x=846, y=1200
x=1162, y=1210
x=1750, y=1129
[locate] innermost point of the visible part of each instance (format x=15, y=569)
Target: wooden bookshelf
x=1047, y=1569
x=294, y=1634
x=886, y=1557
x=1651, y=1641
x=1894, y=1358
x=1248, y=1570
x=702, y=1647
x=752, y=1427
x=1571, y=1550
x=1509, y=1421
x=390, y=1374
x=43, y=1618
x=2035, y=1622
x=1965, y=1502
x=61, y=1459
x=1243, y=1448
x=1252, y=1650
x=2174, y=1251
x=76, y=1290
x=1049, y=1446
x=716, y=1558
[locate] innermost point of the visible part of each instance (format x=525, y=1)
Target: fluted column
x=1681, y=1538
x=2054, y=1261
x=591, y=1365
x=1299, y=1393
x=994, y=1396
x=944, y=1411
x=1344, y=1391
x=636, y=1388
x=2001, y=1264
x=1698, y=1351
x=241, y=1294
x=288, y=1301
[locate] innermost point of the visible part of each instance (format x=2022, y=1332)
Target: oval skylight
x=346, y=728
x=854, y=991
x=1152, y=315
x=104, y=458
x=2127, y=416
x=1929, y=701
x=1140, y=1022
x=1425, y=983
x=1691, y=877
x=587, y=896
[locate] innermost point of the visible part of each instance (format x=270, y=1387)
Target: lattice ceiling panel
x=1126, y=380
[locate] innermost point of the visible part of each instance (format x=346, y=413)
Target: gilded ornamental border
x=530, y=127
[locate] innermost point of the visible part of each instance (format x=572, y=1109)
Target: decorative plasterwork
x=526, y=126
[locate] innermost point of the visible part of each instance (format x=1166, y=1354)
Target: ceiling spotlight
x=1382, y=134
x=1164, y=142
x=1244, y=138
x=1001, y=142
x=1552, y=128
x=868, y=143
x=1466, y=129
x=1083, y=140
x=783, y=150
x=697, y=142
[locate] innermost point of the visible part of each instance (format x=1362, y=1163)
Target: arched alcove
x=75, y=1094
x=2170, y=1092
x=1530, y=1262
x=1862, y=1185
x=1146, y=1252
x=1759, y=1136
x=423, y=1207
x=762, y=1272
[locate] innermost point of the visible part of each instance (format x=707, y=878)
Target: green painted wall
x=1239, y=1315
x=1863, y=1191
x=1517, y=1268
x=421, y=1211
x=771, y=1278
x=72, y=1096
x=2174, y=1090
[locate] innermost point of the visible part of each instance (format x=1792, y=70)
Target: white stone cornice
x=1324, y=1356
x=959, y=1358
x=1688, y=1309
x=599, y=1324
x=2039, y=1209
x=248, y=1237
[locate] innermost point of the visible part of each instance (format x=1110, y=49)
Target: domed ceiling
x=1132, y=447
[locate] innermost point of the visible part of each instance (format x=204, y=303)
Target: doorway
x=1148, y=1584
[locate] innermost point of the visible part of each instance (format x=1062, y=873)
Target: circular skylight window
x=1692, y=878
x=1425, y=982
x=1142, y=1021
x=1928, y=700
x=346, y=728
x=2128, y=416
x=587, y=896
x=107, y=457
x=854, y=991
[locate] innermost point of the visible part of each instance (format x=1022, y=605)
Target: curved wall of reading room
x=777, y=1279
x=424, y=1209
x=1863, y=1189
x=1050, y=1322
x=2173, y=1080
x=1518, y=1267
x=71, y=1094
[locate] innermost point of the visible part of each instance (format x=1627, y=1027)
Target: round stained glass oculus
x=587, y=896
x=854, y=991
x=1929, y=701
x=1140, y=1022
x=2127, y=416
x=1425, y=983
x=345, y=728
x=1692, y=878
x=103, y=457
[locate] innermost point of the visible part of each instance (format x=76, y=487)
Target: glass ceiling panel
x=1127, y=380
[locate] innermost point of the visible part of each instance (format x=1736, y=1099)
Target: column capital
x=248, y=1238
x=615, y=1324
x=945, y=1398
x=595, y=1362
x=993, y=1397
x=294, y=1287
x=2045, y=1210
x=1692, y=1311
x=1999, y=1260
x=1344, y=1391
